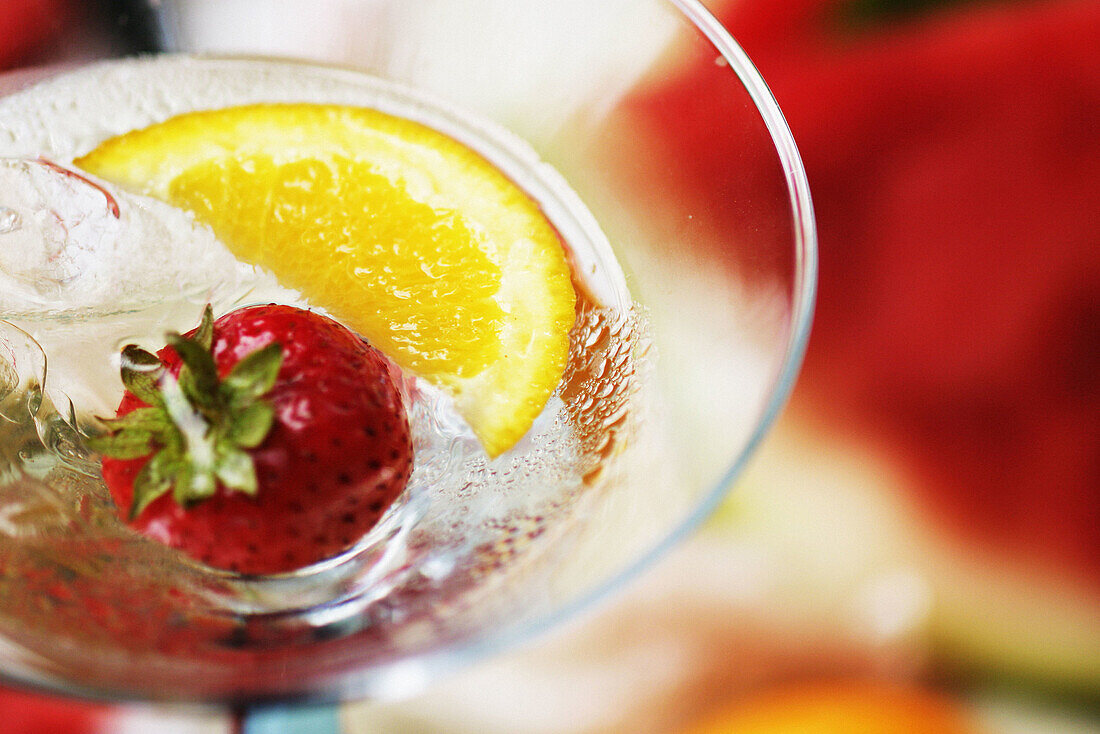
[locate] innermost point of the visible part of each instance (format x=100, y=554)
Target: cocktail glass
x=710, y=288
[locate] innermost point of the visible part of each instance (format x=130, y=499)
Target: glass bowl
x=697, y=298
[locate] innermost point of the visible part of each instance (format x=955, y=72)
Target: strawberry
x=259, y=443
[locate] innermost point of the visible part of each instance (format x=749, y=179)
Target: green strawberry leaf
x=193, y=484
x=180, y=409
x=141, y=371
x=251, y=425
x=125, y=445
x=152, y=420
x=154, y=479
x=236, y=470
x=254, y=375
x=197, y=397
x=199, y=375
x=204, y=335
x=140, y=359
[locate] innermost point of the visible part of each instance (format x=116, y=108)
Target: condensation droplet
x=10, y=220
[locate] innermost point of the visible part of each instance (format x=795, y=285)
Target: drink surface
x=86, y=267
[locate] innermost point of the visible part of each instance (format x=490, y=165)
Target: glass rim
x=406, y=677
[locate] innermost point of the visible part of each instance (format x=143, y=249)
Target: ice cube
x=71, y=246
x=51, y=224
x=86, y=267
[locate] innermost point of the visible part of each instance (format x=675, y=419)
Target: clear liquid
x=466, y=527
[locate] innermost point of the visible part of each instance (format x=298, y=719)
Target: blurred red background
x=953, y=152
x=26, y=26
x=953, y=156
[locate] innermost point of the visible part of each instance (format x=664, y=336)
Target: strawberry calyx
x=196, y=427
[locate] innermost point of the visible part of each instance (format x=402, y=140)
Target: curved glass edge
x=407, y=677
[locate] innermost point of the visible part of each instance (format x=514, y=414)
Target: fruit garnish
x=263, y=442
x=404, y=234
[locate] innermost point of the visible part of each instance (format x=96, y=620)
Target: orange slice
x=407, y=236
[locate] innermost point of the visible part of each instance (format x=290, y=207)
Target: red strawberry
x=263, y=442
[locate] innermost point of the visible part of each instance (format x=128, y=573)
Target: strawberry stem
x=197, y=428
